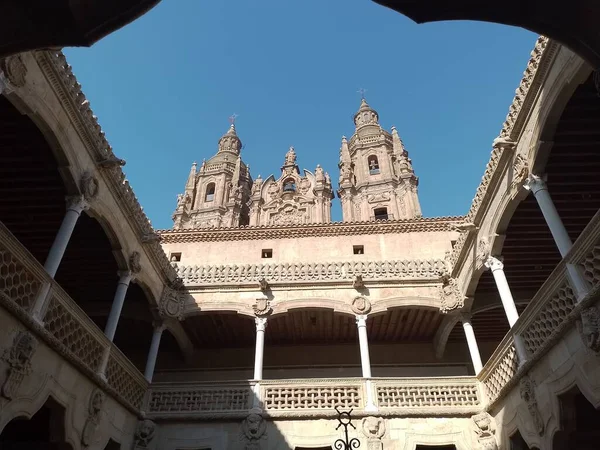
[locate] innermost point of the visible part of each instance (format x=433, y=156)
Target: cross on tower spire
x=232, y=118
x=362, y=91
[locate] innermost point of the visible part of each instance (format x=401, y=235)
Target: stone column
x=497, y=268
x=361, y=323
x=153, y=352
x=472, y=343
x=538, y=187
x=117, y=304
x=75, y=206
x=261, y=325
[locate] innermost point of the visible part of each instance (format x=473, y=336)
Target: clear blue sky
x=164, y=86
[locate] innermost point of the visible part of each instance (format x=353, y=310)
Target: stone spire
x=191, y=181
x=344, y=152
x=290, y=157
x=235, y=179
x=230, y=142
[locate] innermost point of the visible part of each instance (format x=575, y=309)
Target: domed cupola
x=230, y=142
x=366, y=116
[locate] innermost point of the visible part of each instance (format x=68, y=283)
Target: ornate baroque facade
x=253, y=320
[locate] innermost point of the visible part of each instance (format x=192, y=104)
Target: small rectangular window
x=358, y=249
x=175, y=257
x=267, y=252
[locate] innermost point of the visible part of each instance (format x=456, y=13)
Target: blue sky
x=164, y=86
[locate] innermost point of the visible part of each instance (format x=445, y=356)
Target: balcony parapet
x=550, y=314
x=314, y=398
x=297, y=273
x=65, y=327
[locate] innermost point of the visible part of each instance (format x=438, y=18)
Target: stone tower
x=216, y=195
x=377, y=181
x=293, y=198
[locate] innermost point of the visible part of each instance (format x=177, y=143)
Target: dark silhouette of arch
x=373, y=164
x=210, y=192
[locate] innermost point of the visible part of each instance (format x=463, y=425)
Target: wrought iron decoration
x=345, y=421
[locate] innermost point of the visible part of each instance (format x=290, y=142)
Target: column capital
x=535, y=183
x=76, y=203
x=466, y=317
x=493, y=263
x=261, y=323
x=125, y=276
x=159, y=326
x=361, y=320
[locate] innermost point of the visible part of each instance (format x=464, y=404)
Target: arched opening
x=289, y=185
x=518, y=443
x=436, y=447
x=380, y=214
x=314, y=448
x=373, y=164
x=46, y=429
x=210, y=192
x=578, y=423
x=112, y=445
x=32, y=189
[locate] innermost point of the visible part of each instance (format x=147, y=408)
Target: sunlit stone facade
x=251, y=321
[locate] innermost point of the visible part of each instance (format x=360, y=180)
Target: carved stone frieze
x=92, y=421
x=18, y=359
x=361, y=305
x=589, y=328
x=374, y=429
x=485, y=431
x=527, y=391
x=451, y=297
x=14, y=70
x=262, y=307
x=171, y=304
x=144, y=434
x=254, y=428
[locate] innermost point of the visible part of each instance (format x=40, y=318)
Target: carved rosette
x=171, y=304
x=89, y=186
x=93, y=420
x=485, y=431
x=527, y=391
x=262, y=307
x=14, y=70
x=144, y=434
x=254, y=428
x=134, y=262
x=589, y=328
x=361, y=305
x=374, y=429
x=451, y=297
x=18, y=358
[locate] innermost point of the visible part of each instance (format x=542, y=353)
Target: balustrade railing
x=66, y=327
x=551, y=312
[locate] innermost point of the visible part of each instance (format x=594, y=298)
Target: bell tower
x=377, y=181
x=216, y=195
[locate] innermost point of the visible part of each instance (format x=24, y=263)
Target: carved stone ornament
x=374, y=430
x=144, y=433
x=520, y=171
x=483, y=252
x=93, y=420
x=451, y=298
x=358, y=282
x=263, y=284
x=18, y=358
x=262, y=307
x=171, y=304
x=589, y=328
x=485, y=432
x=304, y=186
x=527, y=391
x=273, y=190
x=361, y=305
x=254, y=428
x=89, y=186
x=134, y=262
x=14, y=70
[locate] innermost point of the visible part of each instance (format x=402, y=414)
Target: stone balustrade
x=549, y=315
x=314, y=397
x=392, y=270
x=66, y=327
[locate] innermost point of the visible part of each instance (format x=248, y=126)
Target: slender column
x=153, y=352
x=538, y=187
x=472, y=343
x=361, y=323
x=497, y=268
x=125, y=278
x=261, y=324
x=75, y=205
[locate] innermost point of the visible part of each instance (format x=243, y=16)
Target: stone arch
x=414, y=441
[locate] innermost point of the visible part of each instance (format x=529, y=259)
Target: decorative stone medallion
x=527, y=391
x=589, y=328
x=14, y=69
x=144, y=434
x=18, y=358
x=171, y=304
x=93, y=420
x=134, y=262
x=451, y=298
x=262, y=307
x=254, y=428
x=361, y=305
x=89, y=186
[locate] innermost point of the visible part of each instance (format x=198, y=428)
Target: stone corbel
x=92, y=421
x=373, y=428
x=263, y=284
x=358, y=282
x=485, y=431
x=254, y=429
x=144, y=434
x=18, y=358
x=527, y=391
